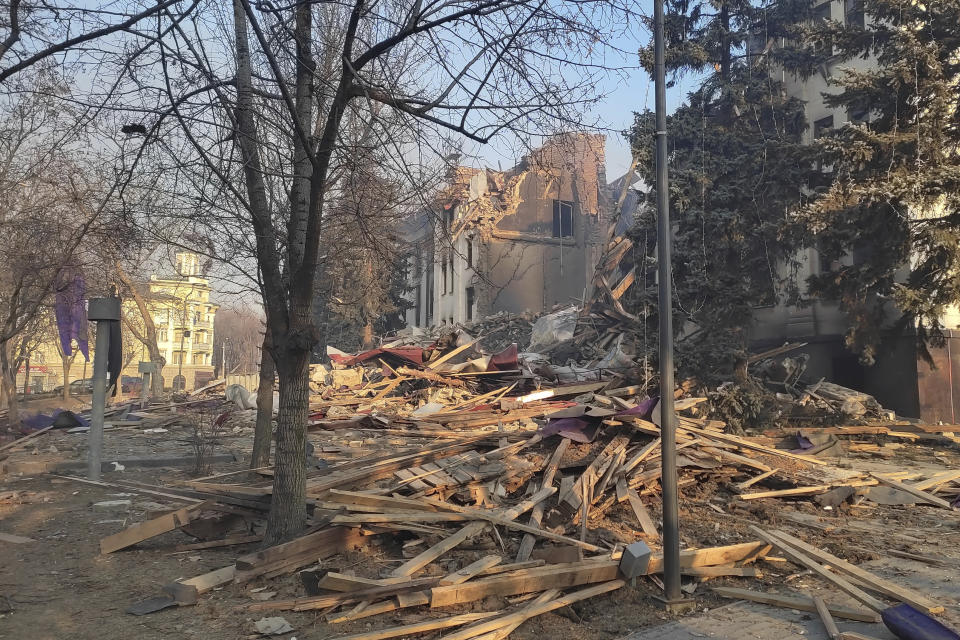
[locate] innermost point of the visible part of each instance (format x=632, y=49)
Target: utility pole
x=103, y=311
x=672, y=600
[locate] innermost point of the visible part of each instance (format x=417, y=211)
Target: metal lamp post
x=672, y=599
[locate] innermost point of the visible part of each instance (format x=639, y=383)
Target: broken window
x=450, y=258
x=822, y=126
x=471, y=300
x=443, y=275
x=469, y=253
x=562, y=219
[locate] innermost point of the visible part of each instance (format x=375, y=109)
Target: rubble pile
x=477, y=483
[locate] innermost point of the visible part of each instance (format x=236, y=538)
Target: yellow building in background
x=184, y=316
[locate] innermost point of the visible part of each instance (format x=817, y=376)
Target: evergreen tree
x=737, y=165
x=887, y=221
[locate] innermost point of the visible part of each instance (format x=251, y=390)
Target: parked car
x=77, y=387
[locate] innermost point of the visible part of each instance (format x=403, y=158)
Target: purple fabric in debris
x=803, y=444
x=70, y=308
x=644, y=409
x=576, y=429
x=65, y=420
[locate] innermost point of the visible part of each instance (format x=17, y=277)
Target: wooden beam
x=335, y=581
x=29, y=436
x=902, y=594
x=643, y=516
x=824, y=612
x=923, y=495
x=503, y=632
x=797, y=601
x=430, y=554
x=558, y=576
x=804, y=560
x=420, y=627
x=150, y=528
x=336, y=599
x=187, y=591
x=470, y=571
x=755, y=479
x=436, y=363
x=299, y=552
x=535, y=610
x=549, y=472
x=936, y=480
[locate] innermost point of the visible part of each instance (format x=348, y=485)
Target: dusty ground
x=60, y=587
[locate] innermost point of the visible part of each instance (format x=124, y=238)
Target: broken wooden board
x=146, y=530
x=902, y=594
x=557, y=576
x=923, y=495
x=804, y=560
x=187, y=591
x=796, y=601
x=420, y=627
x=13, y=539
x=643, y=516
x=299, y=552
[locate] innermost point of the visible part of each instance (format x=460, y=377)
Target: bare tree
x=260, y=132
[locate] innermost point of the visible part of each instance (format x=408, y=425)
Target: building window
x=443, y=275
x=471, y=300
x=822, y=126
x=417, y=306
x=469, y=253
x=450, y=259
x=562, y=219
x=821, y=13
x=854, y=15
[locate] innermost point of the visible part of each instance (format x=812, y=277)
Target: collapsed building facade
x=526, y=239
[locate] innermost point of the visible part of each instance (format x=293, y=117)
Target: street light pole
x=673, y=599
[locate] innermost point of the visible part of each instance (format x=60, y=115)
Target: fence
x=250, y=381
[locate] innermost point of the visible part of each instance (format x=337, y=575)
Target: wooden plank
x=741, y=553
x=806, y=491
x=535, y=610
x=503, y=632
x=715, y=572
x=797, y=601
x=643, y=516
x=336, y=599
x=470, y=571
x=374, y=500
x=427, y=556
x=224, y=542
x=420, y=627
x=936, y=480
x=26, y=438
x=832, y=631
x=187, y=591
x=439, y=361
x=335, y=581
x=549, y=472
x=14, y=539
x=150, y=528
x=804, y=560
x=755, y=479
x=412, y=479
x=923, y=495
x=644, y=453
x=746, y=444
x=624, y=284
x=902, y=594
x=558, y=576
x=299, y=552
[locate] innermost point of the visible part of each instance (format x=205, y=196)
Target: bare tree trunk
x=8, y=377
x=149, y=335
x=263, y=432
x=288, y=508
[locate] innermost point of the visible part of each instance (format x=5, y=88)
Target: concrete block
x=635, y=560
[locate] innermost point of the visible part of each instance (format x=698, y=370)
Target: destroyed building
x=525, y=239
x=900, y=378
